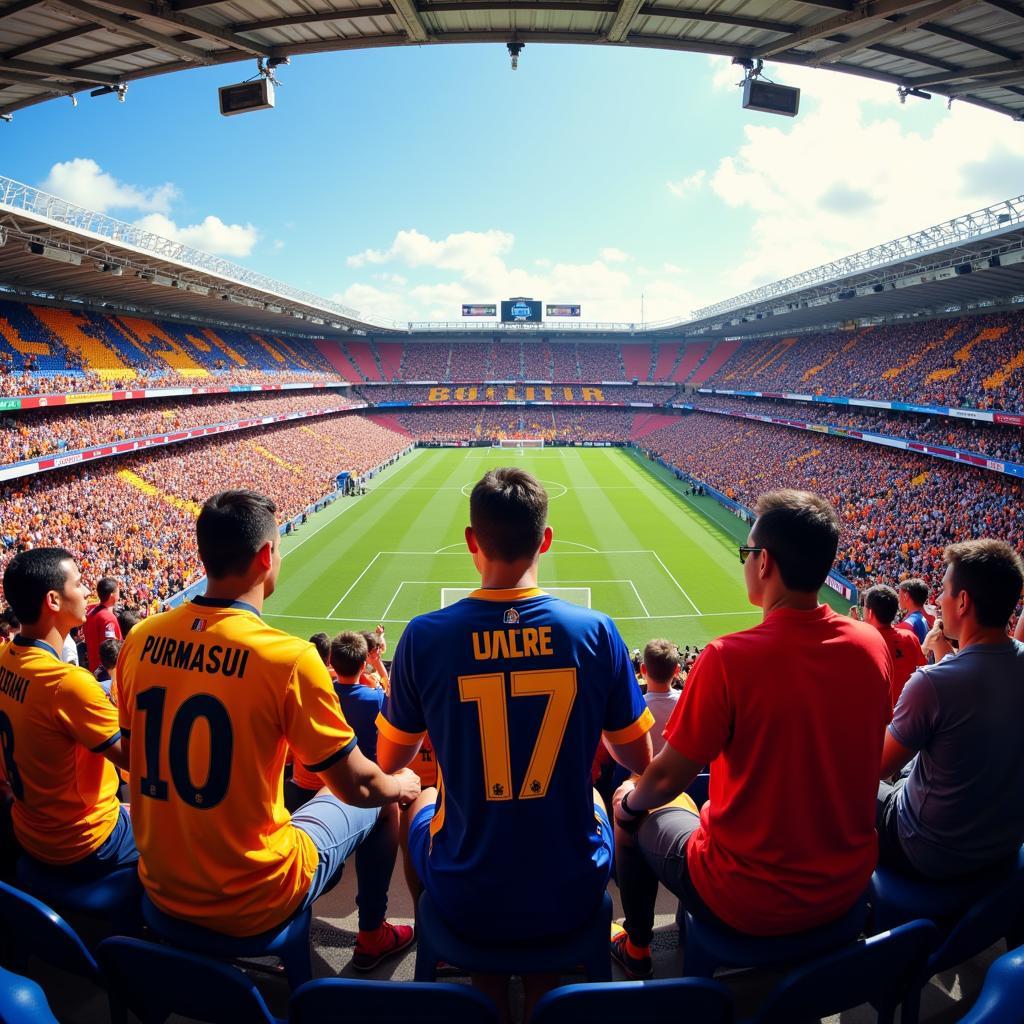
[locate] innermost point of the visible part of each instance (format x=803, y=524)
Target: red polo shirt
x=791, y=716
x=907, y=657
x=100, y=624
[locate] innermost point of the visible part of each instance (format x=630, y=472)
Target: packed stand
x=993, y=440
x=469, y=361
x=33, y=433
x=898, y=511
x=971, y=362
x=481, y=392
x=132, y=518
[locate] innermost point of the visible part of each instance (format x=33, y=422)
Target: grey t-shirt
x=661, y=705
x=962, y=808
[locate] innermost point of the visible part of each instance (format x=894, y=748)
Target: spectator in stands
x=660, y=668
x=10, y=625
x=961, y=808
x=304, y=784
x=539, y=868
x=62, y=741
x=880, y=607
x=912, y=597
x=787, y=841
x=251, y=867
x=127, y=620
x=375, y=673
x=106, y=673
x=360, y=704
x=101, y=621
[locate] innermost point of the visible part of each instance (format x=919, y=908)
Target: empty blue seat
x=289, y=942
x=389, y=1002
x=585, y=949
x=31, y=928
x=972, y=915
x=22, y=1001
x=1002, y=997
x=884, y=970
x=156, y=981
x=638, y=1002
x=709, y=946
x=114, y=896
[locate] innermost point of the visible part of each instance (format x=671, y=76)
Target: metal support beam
x=60, y=86
x=894, y=28
x=411, y=21
x=164, y=16
x=624, y=17
x=57, y=73
x=870, y=11
x=18, y=7
x=314, y=18
x=87, y=12
x=965, y=74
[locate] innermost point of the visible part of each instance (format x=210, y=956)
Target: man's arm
x=117, y=753
x=667, y=776
x=392, y=756
x=356, y=780
x=895, y=756
x=634, y=755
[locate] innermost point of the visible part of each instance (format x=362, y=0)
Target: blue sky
x=403, y=182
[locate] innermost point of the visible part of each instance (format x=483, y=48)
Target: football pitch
x=627, y=542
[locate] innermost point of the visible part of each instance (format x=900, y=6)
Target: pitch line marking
x=617, y=618
x=676, y=582
x=460, y=545
x=394, y=597
x=647, y=614
x=354, y=582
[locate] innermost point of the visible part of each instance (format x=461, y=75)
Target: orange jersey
x=212, y=698
x=55, y=722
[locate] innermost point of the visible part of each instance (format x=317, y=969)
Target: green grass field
x=626, y=542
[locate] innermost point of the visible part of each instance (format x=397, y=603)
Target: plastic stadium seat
x=710, y=946
x=586, y=948
x=638, y=1002
x=22, y=1001
x=114, y=896
x=31, y=928
x=155, y=981
x=289, y=942
x=972, y=915
x=1002, y=997
x=389, y=1002
x=884, y=970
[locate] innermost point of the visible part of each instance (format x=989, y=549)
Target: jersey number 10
x=487, y=691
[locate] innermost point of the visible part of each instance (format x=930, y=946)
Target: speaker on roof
x=246, y=96
x=769, y=98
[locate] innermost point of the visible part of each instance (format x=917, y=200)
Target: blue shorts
x=419, y=853
x=336, y=830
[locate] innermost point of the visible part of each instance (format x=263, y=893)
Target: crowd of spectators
x=993, y=440
x=134, y=518
x=970, y=362
x=656, y=394
x=33, y=433
x=448, y=424
x=898, y=510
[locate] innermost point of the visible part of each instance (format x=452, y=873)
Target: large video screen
x=521, y=311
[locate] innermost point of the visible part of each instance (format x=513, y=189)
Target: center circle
x=468, y=488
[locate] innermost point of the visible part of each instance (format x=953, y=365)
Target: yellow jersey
x=211, y=698
x=55, y=723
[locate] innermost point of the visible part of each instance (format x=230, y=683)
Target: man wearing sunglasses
x=785, y=713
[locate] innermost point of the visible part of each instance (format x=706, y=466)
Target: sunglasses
x=745, y=550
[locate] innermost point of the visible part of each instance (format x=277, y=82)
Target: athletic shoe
x=635, y=968
x=388, y=940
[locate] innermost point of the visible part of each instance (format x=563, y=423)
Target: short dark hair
x=128, y=619
x=508, y=510
x=372, y=640
x=800, y=530
x=109, y=651
x=883, y=601
x=30, y=576
x=661, y=659
x=348, y=653
x=106, y=586
x=916, y=590
x=992, y=573
x=231, y=528
x=322, y=643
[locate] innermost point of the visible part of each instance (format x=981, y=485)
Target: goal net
x=519, y=442
x=574, y=595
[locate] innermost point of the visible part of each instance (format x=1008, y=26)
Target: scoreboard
x=521, y=311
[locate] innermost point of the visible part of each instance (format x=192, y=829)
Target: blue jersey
x=360, y=705
x=515, y=688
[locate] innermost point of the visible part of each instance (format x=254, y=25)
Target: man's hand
x=409, y=782
x=936, y=644
x=854, y=612
x=627, y=819
x=380, y=637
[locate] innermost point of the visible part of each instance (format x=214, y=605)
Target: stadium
x=140, y=374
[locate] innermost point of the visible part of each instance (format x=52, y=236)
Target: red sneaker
x=373, y=948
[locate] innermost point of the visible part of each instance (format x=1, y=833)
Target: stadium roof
x=972, y=50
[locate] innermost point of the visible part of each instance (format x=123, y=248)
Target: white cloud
x=211, y=234
x=688, y=185
x=853, y=170
x=471, y=267
x=278, y=245
x=83, y=182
